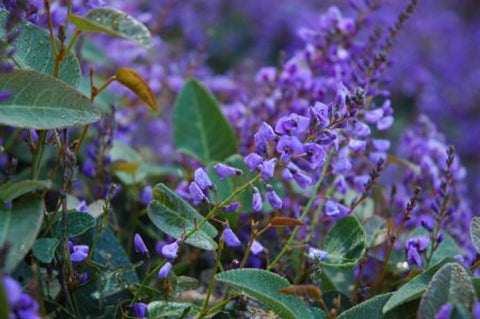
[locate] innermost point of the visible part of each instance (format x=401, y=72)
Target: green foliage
x=376, y=230
x=263, y=286
x=115, y=23
x=44, y=249
x=200, y=129
x=345, y=243
x=34, y=51
x=162, y=309
x=19, y=227
x=175, y=217
x=372, y=309
x=475, y=232
x=450, y=284
x=40, y=101
x=77, y=224
x=412, y=289
x=12, y=190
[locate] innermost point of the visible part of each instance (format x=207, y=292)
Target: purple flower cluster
x=21, y=305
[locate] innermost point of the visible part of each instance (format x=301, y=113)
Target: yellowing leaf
x=127, y=167
x=134, y=81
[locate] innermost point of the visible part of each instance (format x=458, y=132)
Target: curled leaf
x=134, y=81
x=285, y=221
x=305, y=291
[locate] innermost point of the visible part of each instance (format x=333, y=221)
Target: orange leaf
x=305, y=291
x=134, y=81
x=285, y=221
x=127, y=167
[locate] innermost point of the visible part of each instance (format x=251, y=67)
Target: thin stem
x=38, y=153
x=50, y=27
x=304, y=213
x=144, y=282
x=204, y=311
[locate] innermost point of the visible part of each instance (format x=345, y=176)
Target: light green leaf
x=40, y=101
x=450, y=284
x=77, y=224
x=475, y=232
x=34, y=51
x=44, y=249
x=115, y=23
x=172, y=215
x=376, y=230
x=121, y=152
x=19, y=228
x=199, y=127
x=345, y=243
x=372, y=309
x=13, y=190
x=413, y=289
x=263, y=286
x=161, y=309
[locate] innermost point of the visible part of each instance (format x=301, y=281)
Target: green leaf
x=40, y=101
x=376, y=230
x=450, y=284
x=372, y=309
x=172, y=215
x=77, y=224
x=13, y=190
x=115, y=23
x=44, y=249
x=4, y=304
x=263, y=286
x=414, y=288
x=345, y=243
x=475, y=232
x=34, y=51
x=335, y=278
x=161, y=309
x=121, y=152
x=199, y=127
x=19, y=228
x=448, y=248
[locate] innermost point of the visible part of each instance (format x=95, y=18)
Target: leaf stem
x=204, y=311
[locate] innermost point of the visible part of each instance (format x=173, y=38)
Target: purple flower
x=146, y=196
x=139, y=244
x=224, y=171
x=293, y=124
x=267, y=169
x=264, y=135
x=415, y=246
x=476, y=310
x=373, y=116
x=445, y=311
x=13, y=290
x=231, y=240
x=361, y=129
x=196, y=193
x=385, y=123
x=256, y=248
x=163, y=272
x=201, y=178
x=315, y=253
x=273, y=198
x=79, y=253
x=331, y=208
x=357, y=145
x=170, y=251
x=232, y=207
x=315, y=154
x=302, y=179
x=287, y=146
x=139, y=309
x=252, y=160
x=266, y=74
x=381, y=145
x=257, y=203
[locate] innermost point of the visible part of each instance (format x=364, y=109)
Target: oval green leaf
x=345, y=243
x=172, y=215
x=34, y=51
x=13, y=190
x=77, y=224
x=450, y=284
x=19, y=228
x=263, y=286
x=42, y=102
x=44, y=249
x=199, y=127
x=115, y=23
x=372, y=309
x=475, y=232
x=170, y=309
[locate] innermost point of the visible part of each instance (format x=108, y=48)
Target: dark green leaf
x=414, y=288
x=115, y=23
x=161, y=309
x=44, y=249
x=19, y=228
x=263, y=286
x=450, y=284
x=345, y=243
x=40, y=101
x=11, y=191
x=199, y=127
x=34, y=51
x=340, y=279
x=77, y=224
x=4, y=306
x=372, y=309
x=475, y=232
x=174, y=216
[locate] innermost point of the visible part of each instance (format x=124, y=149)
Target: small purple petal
x=257, y=203
x=170, y=251
x=163, y=272
x=139, y=244
x=224, y=171
x=202, y=179
x=231, y=240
